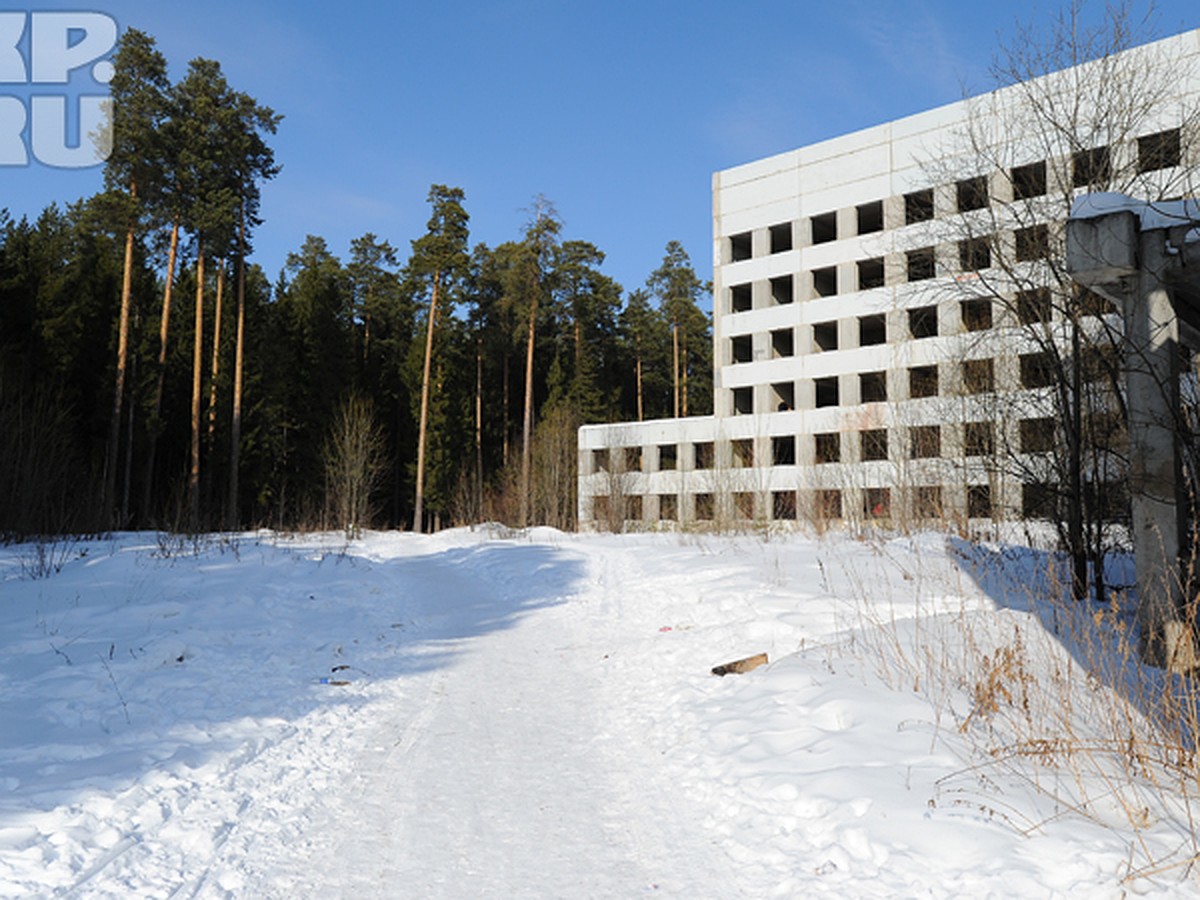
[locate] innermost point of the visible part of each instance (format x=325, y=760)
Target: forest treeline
x=153, y=376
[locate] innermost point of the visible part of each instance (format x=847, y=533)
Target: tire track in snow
x=420, y=722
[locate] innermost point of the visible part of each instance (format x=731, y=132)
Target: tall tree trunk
x=398, y=468
x=114, y=428
x=638, y=375
x=215, y=368
x=424, y=423
x=683, y=373
x=577, y=331
x=527, y=422
x=675, y=368
x=478, y=428
x=1078, y=548
x=366, y=347
x=232, y=518
x=504, y=377
x=197, y=378
x=127, y=477
x=161, y=375
x=1099, y=497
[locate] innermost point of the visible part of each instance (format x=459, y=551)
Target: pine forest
x=153, y=376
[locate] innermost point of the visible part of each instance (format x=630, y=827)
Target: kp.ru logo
x=57, y=119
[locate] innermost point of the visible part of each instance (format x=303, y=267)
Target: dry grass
x=1049, y=693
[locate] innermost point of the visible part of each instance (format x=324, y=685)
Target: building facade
x=877, y=301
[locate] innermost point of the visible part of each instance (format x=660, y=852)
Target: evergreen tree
x=373, y=287
x=222, y=156
x=60, y=284
x=252, y=160
x=312, y=369
x=528, y=280
x=678, y=290
x=171, y=208
x=437, y=266
x=644, y=341
x=205, y=111
x=491, y=320
x=139, y=90
x=384, y=316
x=586, y=307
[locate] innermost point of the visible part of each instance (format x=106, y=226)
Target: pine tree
x=678, y=289
x=384, y=316
x=438, y=265
x=643, y=335
x=312, y=369
x=373, y=284
x=586, y=306
x=528, y=282
x=204, y=108
x=252, y=161
x=490, y=318
x=222, y=156
x=139, y=90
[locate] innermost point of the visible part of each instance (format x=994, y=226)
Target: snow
x=1153, y=215
x=493, y=713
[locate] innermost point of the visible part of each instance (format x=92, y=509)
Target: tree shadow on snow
x=1102, y=637
x=199, y=662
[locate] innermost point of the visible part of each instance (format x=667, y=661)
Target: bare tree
x=1077, y=113
x=555, y=455
x=355, y=462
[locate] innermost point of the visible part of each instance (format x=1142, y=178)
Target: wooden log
x=740, y=666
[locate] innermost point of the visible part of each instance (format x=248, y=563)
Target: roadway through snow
x=495, y=770
x=533, y=715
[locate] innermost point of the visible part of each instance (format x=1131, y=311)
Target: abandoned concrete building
x=870, y=351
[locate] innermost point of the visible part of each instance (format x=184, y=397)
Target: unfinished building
x=873, y=297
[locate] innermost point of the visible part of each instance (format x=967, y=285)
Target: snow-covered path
x=520, y=715
x=493, y=775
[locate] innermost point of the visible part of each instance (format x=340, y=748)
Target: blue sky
x=618, y=112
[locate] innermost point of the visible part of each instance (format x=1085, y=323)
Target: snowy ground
x=480, y=714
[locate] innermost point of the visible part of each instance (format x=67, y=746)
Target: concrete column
x=760, y=347
x=895, y=269
x=760, y=294
x=949, y=318
x=802, y=233
x=848, y=392
x=945, y=202
x=806, y=394
x=893, y=212
x=847, y=333
x=686, y=456
x=847, y=276
x=804, y=285
x=1152, y=384
x=847, y=223
x=650, y=458
x=760, y=242
x=1111, y=254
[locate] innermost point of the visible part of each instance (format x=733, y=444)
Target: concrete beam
x=1102, y=251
